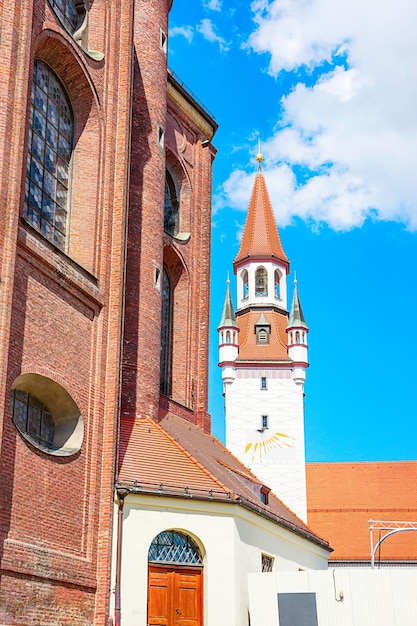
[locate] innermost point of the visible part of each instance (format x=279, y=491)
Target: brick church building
x=105, y=212
x=95, y=138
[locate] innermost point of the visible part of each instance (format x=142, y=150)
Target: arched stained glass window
x=174, y=547
x=261, y=282
x=166, y=334
x=171, y=206
x=67, y=13
x=50, y=148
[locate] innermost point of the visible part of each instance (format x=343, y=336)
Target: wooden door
x=174, y=596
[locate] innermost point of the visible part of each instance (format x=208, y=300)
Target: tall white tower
x=264, y=366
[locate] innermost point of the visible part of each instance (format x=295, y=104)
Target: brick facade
x=87, y=319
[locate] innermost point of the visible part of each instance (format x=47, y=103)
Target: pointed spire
x=228, y=315
x=296, y=314
x=260, y=236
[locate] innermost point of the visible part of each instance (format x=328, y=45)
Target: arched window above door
x=174, y=547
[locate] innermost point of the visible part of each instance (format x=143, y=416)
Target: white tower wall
x=275, y=454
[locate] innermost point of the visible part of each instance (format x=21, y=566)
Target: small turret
x=297, y=330
x=228, y=338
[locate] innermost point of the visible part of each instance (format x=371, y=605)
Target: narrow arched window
x=297, y=336
x=50, y=145
x=261, y=282
x=171, y=206
x=228, y=338
x=245, y=284
x=166, y=334
x=277, y=283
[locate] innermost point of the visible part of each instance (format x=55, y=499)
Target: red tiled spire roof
x=260, y=236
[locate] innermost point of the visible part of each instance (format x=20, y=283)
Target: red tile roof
x=276, y=350
x=260, y=236
x=177, y=458
x=343, y=497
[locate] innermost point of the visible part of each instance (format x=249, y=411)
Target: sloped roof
x=275, y=350
x=177, y=458
x=343, y=497
x=260, y=236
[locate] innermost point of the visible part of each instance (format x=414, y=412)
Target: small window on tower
x=264, y=422
x=263, y=383
x=262, y=336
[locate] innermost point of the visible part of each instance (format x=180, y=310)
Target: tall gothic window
x=171, y=206
x=50, y=145
x=166, y=334
x=261, y=282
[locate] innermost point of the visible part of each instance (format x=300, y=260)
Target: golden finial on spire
x=295, y=278
x=228, y=279
x=259, y=156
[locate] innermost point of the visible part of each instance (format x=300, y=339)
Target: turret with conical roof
x=228, y=338
x=297, y=330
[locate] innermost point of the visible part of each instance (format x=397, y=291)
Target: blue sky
x=330, y=88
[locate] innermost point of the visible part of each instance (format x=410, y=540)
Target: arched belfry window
x=261, y=282
x=171, y=206
x=50, y=145
x=174, y=547
x=245, y=284
x=166, y=334
x=277, y=283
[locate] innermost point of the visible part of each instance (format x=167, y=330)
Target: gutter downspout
x=121, y=494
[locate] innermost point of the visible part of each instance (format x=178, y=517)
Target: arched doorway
x=175, y=581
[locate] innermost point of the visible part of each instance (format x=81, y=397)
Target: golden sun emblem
x=263, y=446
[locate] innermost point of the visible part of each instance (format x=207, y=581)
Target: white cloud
x=355, y=128
x=206, y=28
x=213, y=5
x=183, y=31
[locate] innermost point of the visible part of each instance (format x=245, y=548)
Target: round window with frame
x=45, y=415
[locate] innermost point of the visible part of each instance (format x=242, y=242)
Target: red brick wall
x=60, y=317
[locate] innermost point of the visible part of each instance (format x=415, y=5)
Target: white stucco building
x=192, y=523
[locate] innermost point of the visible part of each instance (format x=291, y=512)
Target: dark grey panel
x=297, y=609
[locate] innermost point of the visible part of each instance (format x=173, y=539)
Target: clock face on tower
x=261, y=443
